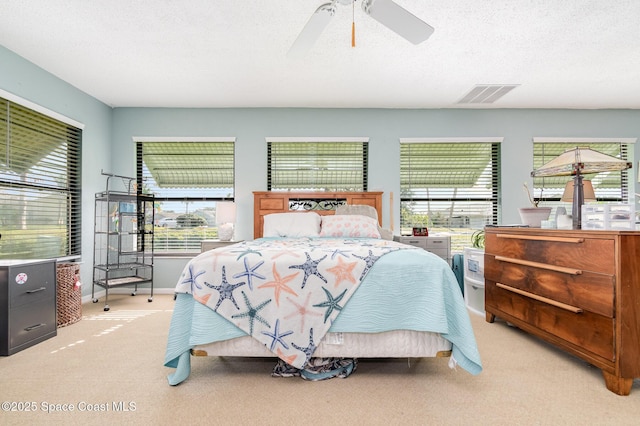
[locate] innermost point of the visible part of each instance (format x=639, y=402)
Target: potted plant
x=534, y=215
x=477, y=239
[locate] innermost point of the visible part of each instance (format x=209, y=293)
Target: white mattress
x=391, y=344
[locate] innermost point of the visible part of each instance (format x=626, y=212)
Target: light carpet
x=108, y=368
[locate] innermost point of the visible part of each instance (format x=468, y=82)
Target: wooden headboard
x=323, y=203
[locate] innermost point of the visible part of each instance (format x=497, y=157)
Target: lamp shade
x=580, y=160
x=225, y=212
x=589, y=195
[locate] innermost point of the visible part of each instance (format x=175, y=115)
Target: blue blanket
x=407, y=289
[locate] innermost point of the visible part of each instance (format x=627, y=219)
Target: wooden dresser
x=576, y=289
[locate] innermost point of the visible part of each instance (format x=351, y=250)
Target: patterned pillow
x=349, y=226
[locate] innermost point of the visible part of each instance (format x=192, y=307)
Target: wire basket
x=68, y=295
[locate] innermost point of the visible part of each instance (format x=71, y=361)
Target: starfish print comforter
x=285, y=293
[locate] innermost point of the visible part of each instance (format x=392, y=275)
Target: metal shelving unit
x=123, y=237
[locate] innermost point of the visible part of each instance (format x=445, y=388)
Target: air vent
x=487, y=93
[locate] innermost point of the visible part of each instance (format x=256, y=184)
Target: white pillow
x=291, y=225
x=349, y=225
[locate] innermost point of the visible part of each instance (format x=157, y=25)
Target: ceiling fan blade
x=312, y=30
x=398, y=20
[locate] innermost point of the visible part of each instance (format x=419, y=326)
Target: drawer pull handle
x=570, y=271
x=36, y=290
x=542, y=238
x=546, y=300
x=33, y=327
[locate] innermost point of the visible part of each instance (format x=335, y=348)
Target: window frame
x=461, y=235
x=192, y=237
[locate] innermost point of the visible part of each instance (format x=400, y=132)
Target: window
x=187, y=177
x=40, y=196
x=449, y=186
x=608, y=187
x=320, y=164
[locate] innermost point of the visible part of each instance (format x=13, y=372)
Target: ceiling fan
x=387, y=12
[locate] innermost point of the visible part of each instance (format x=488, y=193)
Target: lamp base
x=564, y=221
x=578, y=201
x=225, y=232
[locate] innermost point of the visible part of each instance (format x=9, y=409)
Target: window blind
x=189, y=164
x=187, y=178
x=449, y=187
x=317, y=166
x=40, y=185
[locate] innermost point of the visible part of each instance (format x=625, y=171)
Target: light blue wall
x=31, y=83
x=108, y=144
x=384, y=127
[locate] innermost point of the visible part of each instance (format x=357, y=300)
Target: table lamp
x=577, y=162
x=225, y=219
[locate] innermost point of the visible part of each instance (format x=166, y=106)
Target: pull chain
x=353, y=23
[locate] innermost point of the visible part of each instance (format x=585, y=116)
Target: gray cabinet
x=27, y=303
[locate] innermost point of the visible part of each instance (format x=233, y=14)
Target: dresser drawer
x=438, y=243
x=31, y=283
x=31, y=322
x=590, y=254
x=586, y=290
x=416, y=242
x=586, y=330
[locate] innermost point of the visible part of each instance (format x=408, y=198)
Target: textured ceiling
x=224, y=53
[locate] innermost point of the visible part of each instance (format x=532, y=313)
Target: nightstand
x=206, y=245
x=439, y=245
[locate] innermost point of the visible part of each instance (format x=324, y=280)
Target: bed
x=314, y=284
